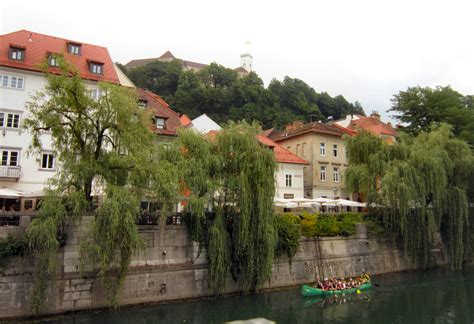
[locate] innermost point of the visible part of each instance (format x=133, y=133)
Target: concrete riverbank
x=172, y=268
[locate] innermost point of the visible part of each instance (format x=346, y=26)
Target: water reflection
x=418, y=297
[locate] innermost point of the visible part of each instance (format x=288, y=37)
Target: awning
x=9, y=193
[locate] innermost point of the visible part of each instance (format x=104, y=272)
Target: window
x=335, y=150
x=96, y=94
x=302, y=149
x=96, y=68
x=142, y=103
x=297, y=149
x=52, y=60
x=74, y=48
x=12, y=81
x=322, y=173
x=289, y=148
x=335, y=174
x=10, y=120
x=17, y=54
x=47, y=161
x=288, y=180
x=160, y=123
x=10, y=157
x=322, y=149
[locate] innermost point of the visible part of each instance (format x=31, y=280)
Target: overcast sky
x=365, y=50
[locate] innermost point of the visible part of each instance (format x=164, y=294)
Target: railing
x=152, y=219
x=10, y=172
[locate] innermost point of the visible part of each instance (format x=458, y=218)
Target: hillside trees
x=223, y=95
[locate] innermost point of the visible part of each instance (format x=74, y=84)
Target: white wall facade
x=204, y=124
x=28, y=175
x=296, y=190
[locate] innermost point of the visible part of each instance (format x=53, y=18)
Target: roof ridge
x=51, y=36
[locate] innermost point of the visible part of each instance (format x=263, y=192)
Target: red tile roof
x=190, y=64
x=185, y=121
x=38, y=46
x=373, y=125
x=167, y=55
x=160, y=108
x=318, y=128
x=282, y=155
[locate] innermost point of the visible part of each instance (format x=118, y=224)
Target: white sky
x=364, y=50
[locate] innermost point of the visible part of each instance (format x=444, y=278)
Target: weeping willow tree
x=232, y=174
x=103, y=145
x=421, y=182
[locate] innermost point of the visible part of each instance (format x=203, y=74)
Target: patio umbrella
x=9, y=193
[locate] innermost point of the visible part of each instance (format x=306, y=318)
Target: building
x=165, y=121
x=323, y=147
x=202, y=124
x=289, y=173
x=372, y=124
x=245, y=68
x=21, y=53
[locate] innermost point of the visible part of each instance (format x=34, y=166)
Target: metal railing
x=12, y=172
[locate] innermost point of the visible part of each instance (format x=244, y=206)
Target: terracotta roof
x=160, y=108
x=348, y=131
x=373, y=125
x=282, y=155
x=140, y=62
x=195, y=65
x=318, y=128
x=167, y=55
x=240, y=70
x=185, y=121
x=38, y=46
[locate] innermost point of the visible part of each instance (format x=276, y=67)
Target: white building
x=202, y=124
x=20, y=77
x=289, y=173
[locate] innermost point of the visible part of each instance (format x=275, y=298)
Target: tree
x=100, y=143
x=421, y=107
x=422, y=182
x=159, y=77
x=231, y=173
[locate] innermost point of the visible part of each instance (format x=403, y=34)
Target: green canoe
x=308, y=291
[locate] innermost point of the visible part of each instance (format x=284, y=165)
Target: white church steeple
x=246, y=59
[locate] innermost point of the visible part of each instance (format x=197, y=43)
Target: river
x=434, y=296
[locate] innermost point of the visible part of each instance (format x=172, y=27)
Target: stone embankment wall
x=173, y=268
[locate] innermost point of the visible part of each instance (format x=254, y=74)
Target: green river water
x=434, y=296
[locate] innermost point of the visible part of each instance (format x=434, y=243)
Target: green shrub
x=308, y=224
x=12, y=246
x=288, y=229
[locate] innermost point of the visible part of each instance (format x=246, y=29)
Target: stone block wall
x=172, y=267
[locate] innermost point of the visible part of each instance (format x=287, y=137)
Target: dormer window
x=142, y=103
x=74, y=48
x=53, y=60
x=160, y=123
x=96, y=68
x=17, y=54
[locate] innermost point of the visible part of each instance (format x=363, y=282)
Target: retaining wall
x=173, y=268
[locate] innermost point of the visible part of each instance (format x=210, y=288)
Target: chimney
x=294, y=126
x=375, y=114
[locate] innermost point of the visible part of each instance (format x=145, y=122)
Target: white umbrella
x=349, y=203
x=287, y=205
x=321, y=200
x=9, y=193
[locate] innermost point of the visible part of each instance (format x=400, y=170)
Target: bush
x=12, y=246
x=288, y=229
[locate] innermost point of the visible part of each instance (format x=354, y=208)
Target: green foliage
x=102, y=143
x=330, y=224
x=12, y=246
x=221, y=94
x=115, y=238
x=421, y=107
x=422, y=182
x=288, y=230
x=232, y=173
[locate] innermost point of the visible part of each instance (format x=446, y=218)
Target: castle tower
x=246, y=59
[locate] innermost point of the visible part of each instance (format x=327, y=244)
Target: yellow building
x=323, y=147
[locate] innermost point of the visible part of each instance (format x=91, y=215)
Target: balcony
x=10, y=172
